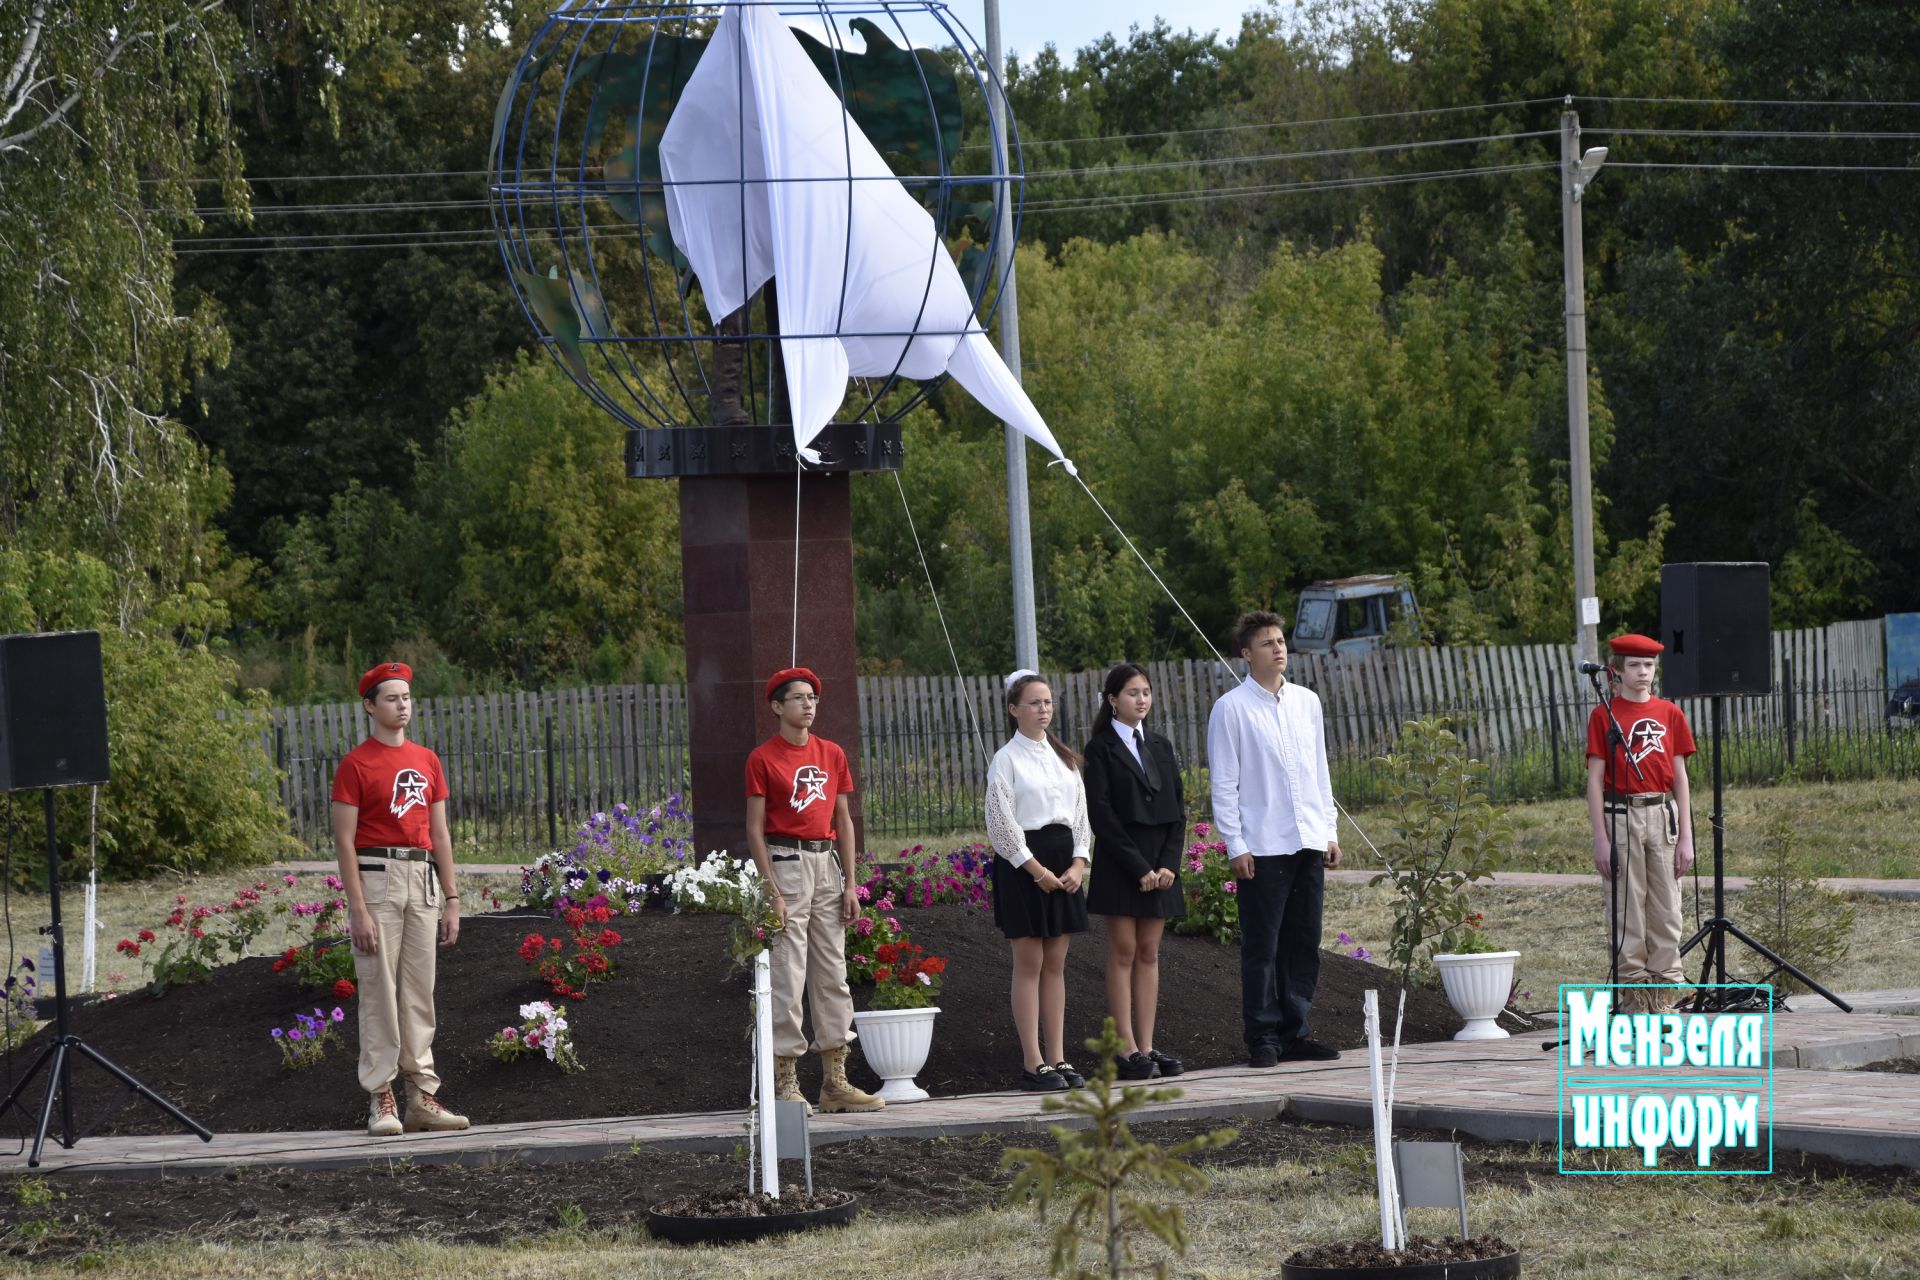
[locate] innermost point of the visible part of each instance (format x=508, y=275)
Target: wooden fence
x=526, y=768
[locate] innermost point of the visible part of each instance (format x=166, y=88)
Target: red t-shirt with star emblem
x=395, y=789
x=1657, y=734
x=800, y=784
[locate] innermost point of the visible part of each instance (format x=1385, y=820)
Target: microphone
x=1592, y=668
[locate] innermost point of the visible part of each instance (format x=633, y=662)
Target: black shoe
x=1168, y=1064
x=1307, y=1050
x=1045, y=1080
x=1073, y=1078
x=1263, y=1055
x=1136, y=1066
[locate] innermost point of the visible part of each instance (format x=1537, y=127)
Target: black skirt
x=1021, y=907
x=1111, y=892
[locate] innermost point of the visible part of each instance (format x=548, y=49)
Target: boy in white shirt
x=1273, y=806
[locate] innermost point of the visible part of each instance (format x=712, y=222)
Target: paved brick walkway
x=1502, y=1090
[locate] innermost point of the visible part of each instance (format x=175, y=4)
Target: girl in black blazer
x=1139, y=817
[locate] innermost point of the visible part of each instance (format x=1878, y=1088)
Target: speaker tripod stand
x=56, y=1058
x=1711, y=991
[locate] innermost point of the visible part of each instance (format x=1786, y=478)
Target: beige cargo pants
x=1648, y=894
x=396, y=982
x=810, y=955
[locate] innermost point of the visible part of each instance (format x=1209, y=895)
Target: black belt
x=1643, y=801
x=404, y=855
x=805, y=846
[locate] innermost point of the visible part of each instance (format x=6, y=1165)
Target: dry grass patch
x=1785, y=1227
x=1561, y=934
x=1841, y=828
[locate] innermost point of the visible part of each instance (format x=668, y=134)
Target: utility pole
x=1576, y=173
x=1026, y=629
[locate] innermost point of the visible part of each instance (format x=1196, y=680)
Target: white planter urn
x=1477, y=986
x=895, y=1044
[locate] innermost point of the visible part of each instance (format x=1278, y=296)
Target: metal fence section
x=525, y=769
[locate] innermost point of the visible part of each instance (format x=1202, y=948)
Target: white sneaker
x=383, y=1117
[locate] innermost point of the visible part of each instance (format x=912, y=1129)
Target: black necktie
x=1146, y=762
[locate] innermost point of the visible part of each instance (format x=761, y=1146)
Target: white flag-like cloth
x=769, y=177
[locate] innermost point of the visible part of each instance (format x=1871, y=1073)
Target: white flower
x=925, y=981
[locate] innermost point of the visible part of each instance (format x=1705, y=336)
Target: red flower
x=600, y=915
x=888, y=952
x=596, y=964
x=146, y=935
x=883, y=974
x=574, y=917
x=934, y=965
x=290, y=954
x=280, y=965
x=127, y=946
x=608, y=938
x=197, y=933
x=344, y=989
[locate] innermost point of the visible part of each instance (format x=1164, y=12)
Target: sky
x=1027, y=25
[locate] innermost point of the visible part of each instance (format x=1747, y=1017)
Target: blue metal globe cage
x=580, y=205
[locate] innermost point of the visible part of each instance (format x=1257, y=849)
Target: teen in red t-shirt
x=1637, y=797
x=389, y=804
x=800, y=833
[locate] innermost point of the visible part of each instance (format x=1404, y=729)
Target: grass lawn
x=1842, y=829
x=1794, y=1225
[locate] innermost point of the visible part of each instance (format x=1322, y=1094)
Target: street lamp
x=1577, y=172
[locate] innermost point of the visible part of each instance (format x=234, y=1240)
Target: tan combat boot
x=383, y=1118
x=836, y=1093
x=426, y=1115
x=786, y=1084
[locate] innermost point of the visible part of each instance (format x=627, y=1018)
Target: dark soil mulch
x=667, y=1034
x=793, y=1198
x=1420, y=1251
x=1898, y=1066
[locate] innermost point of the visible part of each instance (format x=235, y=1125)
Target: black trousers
x=1280, y=910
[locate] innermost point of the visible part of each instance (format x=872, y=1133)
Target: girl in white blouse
x=1037, y=824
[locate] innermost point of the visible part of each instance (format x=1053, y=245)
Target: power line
x=478, y=237
x=1853, y=134
x=1281, y=188
x=1276, y=124
x=1024, y=142
x=1791, y=168
x=1041, y=175
x=1748, y=102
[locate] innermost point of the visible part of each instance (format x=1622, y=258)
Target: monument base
x=737, y=568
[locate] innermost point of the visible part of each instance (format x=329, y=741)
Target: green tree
x=1101, y=1166
x=193, y=788
x=363, y=309
x=540, y=557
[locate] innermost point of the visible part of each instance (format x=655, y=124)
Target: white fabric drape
x=769, y=177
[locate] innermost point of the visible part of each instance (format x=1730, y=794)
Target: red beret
x=788, y=676
x=385, y=671
x=1636, y=646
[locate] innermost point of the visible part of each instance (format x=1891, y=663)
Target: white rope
x=793, y=650
x=978, y=739
x=1075, y=473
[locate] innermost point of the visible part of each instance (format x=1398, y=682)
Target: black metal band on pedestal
x=664, y=452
